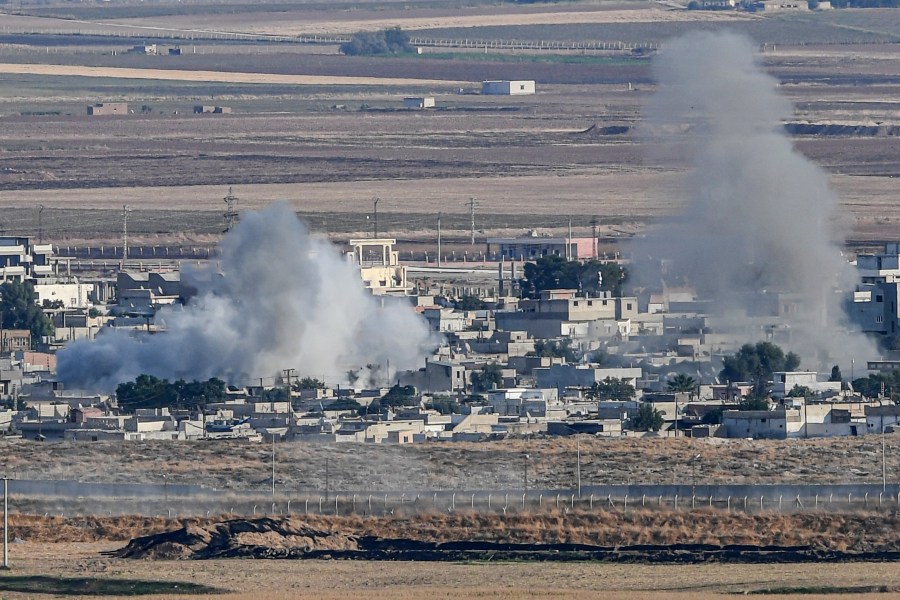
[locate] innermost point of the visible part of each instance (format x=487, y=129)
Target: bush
x=369, y=43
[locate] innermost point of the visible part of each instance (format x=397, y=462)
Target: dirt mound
x=258, y=538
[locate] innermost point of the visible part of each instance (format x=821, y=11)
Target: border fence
x=74, y=498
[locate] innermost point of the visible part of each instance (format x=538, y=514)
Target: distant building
x=507, y=88
x=531, y=247
x=379, y=266
x=20, y=260
x=875, y=304
x=419, y=102
x=144, y=49
x=200, y=109
x=104, y=109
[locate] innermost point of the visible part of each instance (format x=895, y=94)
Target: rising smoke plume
x=277, y=298
x=760, y=221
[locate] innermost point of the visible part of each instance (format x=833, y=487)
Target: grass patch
x=82, y=586
x=822, y=590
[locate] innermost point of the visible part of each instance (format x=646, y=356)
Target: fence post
x=693, y=501
x=745, y=503
x=557, y=502
x=306, y=507
x=434, y=500
x=866, y=499
x=760, y=503
x=473, y=501
x=336, y=497
x=592, y=502
x=779, y=502
x=817, y=502
x=320, y=505
x=385, y=503
x=849, y=499
x=728, y=504
x=643, y=499
x=573, y=500
x=675, y=503
x=354, y=503
x=610, y=501
x=799, y=502
x=523, y=501
x=625, y=506
x=710, y=501
x=453, y=501
x=489, y=501
x=370, y=504
x=541, y=501
x=288, y=507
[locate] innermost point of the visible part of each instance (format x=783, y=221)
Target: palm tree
x=682, y=383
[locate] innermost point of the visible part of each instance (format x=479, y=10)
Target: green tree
x=275, y=394
x=877, y=384
x=713, y=417
x=308, y=383
x=548, y=348
x=20, y=311
x=754, y=402
x=445, y=406
x=344, y=404
x=836, y=374
x=647, y=418
x=469, y=302
x=386, y=41
x=555, y=272
x=612, y=388
x=489, y=377
x=400, y=395
x=682, y=383
x=756, y=363
x=147, y=391
x=800, y=391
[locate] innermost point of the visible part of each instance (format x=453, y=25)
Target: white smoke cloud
x=277, y=298
x=759, y=217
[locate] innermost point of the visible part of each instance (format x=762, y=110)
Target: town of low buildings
x=551, y=359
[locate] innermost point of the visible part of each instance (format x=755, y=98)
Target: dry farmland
x=330, y=149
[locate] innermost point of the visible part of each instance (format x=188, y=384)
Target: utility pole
x=578, y=462
x=231, y=214
x=439, y=241
x=124, y=234
x=594, y=223
x=473, y=202
x=525, y=477
x=40, y=224
x=273, y=466
x=569, y=242
x=326, y=479
x=287, y=378
x=5, y=565
x=375, y=214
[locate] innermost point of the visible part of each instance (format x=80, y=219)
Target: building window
x=879, y=319
x=628, y=306
x=879, y=298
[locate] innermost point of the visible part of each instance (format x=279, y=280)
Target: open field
x=239, y=465
x=339, y=580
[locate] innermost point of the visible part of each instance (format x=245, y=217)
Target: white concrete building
x=508, y=88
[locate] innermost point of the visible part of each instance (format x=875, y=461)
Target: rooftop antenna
x=231, y=214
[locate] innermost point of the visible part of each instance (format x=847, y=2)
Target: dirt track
x=211, y=76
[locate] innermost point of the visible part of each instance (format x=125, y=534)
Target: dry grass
x=858, y=531
x=351, y=580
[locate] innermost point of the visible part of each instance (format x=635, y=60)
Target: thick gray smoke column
x=278, y=298
x=759, y=217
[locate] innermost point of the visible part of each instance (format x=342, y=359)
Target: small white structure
x=419, y=102
x=507, y=88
